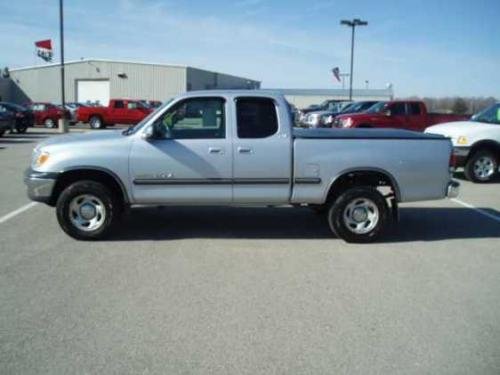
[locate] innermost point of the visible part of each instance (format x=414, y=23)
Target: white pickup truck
x=476, y=143
x=233, y=148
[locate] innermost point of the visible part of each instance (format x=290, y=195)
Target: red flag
x=44, y=49
x=336, y=73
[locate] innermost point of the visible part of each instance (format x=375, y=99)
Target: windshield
x=376, y=107
x=490, y=115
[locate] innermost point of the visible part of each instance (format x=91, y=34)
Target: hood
x=457, y=128
x=90, y=136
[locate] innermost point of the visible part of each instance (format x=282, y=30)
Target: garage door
x=92, y=91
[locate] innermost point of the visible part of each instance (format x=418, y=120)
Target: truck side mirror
x=148, y=133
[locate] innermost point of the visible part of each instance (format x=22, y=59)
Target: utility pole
x=63, y=123
x=352, y=24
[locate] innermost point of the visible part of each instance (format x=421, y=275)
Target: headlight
x=40, y=158
x=346, y=122
x=462, y=140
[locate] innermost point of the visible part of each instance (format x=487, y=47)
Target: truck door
x=117, y=113
x=415, y=118
x=134, y=113
x=398, y=116
x=189, y=159
x=262, y=152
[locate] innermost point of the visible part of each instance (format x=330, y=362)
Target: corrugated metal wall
x=140, y=81
x=199, y=79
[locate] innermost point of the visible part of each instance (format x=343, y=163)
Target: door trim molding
x=211, y=181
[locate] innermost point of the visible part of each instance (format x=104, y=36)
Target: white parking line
x=14, y=213
x=478, y=210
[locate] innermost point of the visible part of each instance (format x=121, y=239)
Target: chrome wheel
x=95, y=123
x=49, y=123
x=484, y=168
x=87, y=212
x=361, y=215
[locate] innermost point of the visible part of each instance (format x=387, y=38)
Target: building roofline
x=125, y=62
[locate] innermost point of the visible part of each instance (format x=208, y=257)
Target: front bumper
x=460, y=155
x=40, y=185
x=453, y=189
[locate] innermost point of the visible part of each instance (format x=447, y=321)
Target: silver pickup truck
x=234, y=148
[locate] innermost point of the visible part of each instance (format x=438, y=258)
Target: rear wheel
x=87, y=210
x=481, y=167
x=96, y=122
x=360, y=214
x=49, y=123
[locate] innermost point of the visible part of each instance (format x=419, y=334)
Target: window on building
x=256, y=117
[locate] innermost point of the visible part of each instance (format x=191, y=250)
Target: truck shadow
x=416, y=224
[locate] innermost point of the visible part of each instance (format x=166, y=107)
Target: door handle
x=215, y=150
x=245, y=150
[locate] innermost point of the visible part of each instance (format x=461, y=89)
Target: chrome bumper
x=453, y=189
x=40, y=185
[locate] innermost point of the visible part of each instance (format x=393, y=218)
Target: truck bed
x=362, y=133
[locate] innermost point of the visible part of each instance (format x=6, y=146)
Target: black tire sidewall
x=336, y=211
x=469, y=167
x=87, y=187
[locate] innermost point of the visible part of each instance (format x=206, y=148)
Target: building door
x=92, y=91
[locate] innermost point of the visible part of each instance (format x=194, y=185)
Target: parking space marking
x=478, y=210
x=14, y=213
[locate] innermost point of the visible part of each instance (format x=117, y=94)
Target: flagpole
x=63, y=126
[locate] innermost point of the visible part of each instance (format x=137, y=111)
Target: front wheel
x=21, y=128
x=481, y=167
x=360, y=215
x=87, y=210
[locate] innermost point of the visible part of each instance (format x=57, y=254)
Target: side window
x=132, y=105
x=414, y=109
x=196, y=118
x=119, y=104
x=2, y=109
x=398, y=109
x=256, y=117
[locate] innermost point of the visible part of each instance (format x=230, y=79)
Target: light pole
x=352, y=24
x=63, y=126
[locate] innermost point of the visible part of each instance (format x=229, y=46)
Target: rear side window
x=119, y=104
x=256, y=117
x=398, y=109
x=413, y=109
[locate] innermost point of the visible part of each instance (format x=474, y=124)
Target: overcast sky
x=426, y=47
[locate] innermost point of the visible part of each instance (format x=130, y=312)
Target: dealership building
x=93, y=80
x=97, y=80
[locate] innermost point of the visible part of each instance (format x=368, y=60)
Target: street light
x=352, y=24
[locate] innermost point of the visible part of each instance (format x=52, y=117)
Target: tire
x=96, y=122
x=21, y=128
x=49, y=123
x=87, y=210
x=481, y=167
x=359, y=215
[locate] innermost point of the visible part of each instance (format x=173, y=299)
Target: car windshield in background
x=376, y=107
x=490, y=115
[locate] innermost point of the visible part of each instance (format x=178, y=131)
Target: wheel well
x=376, y=179
x=67, y=178
x=485, y=146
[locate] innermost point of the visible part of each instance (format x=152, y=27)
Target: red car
x=410, y=115
x=119, y=111
x=47, y=114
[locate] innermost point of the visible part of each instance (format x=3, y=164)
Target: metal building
x=302, y=98
x=92, y=80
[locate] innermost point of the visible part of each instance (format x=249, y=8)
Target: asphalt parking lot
x=247, y=290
